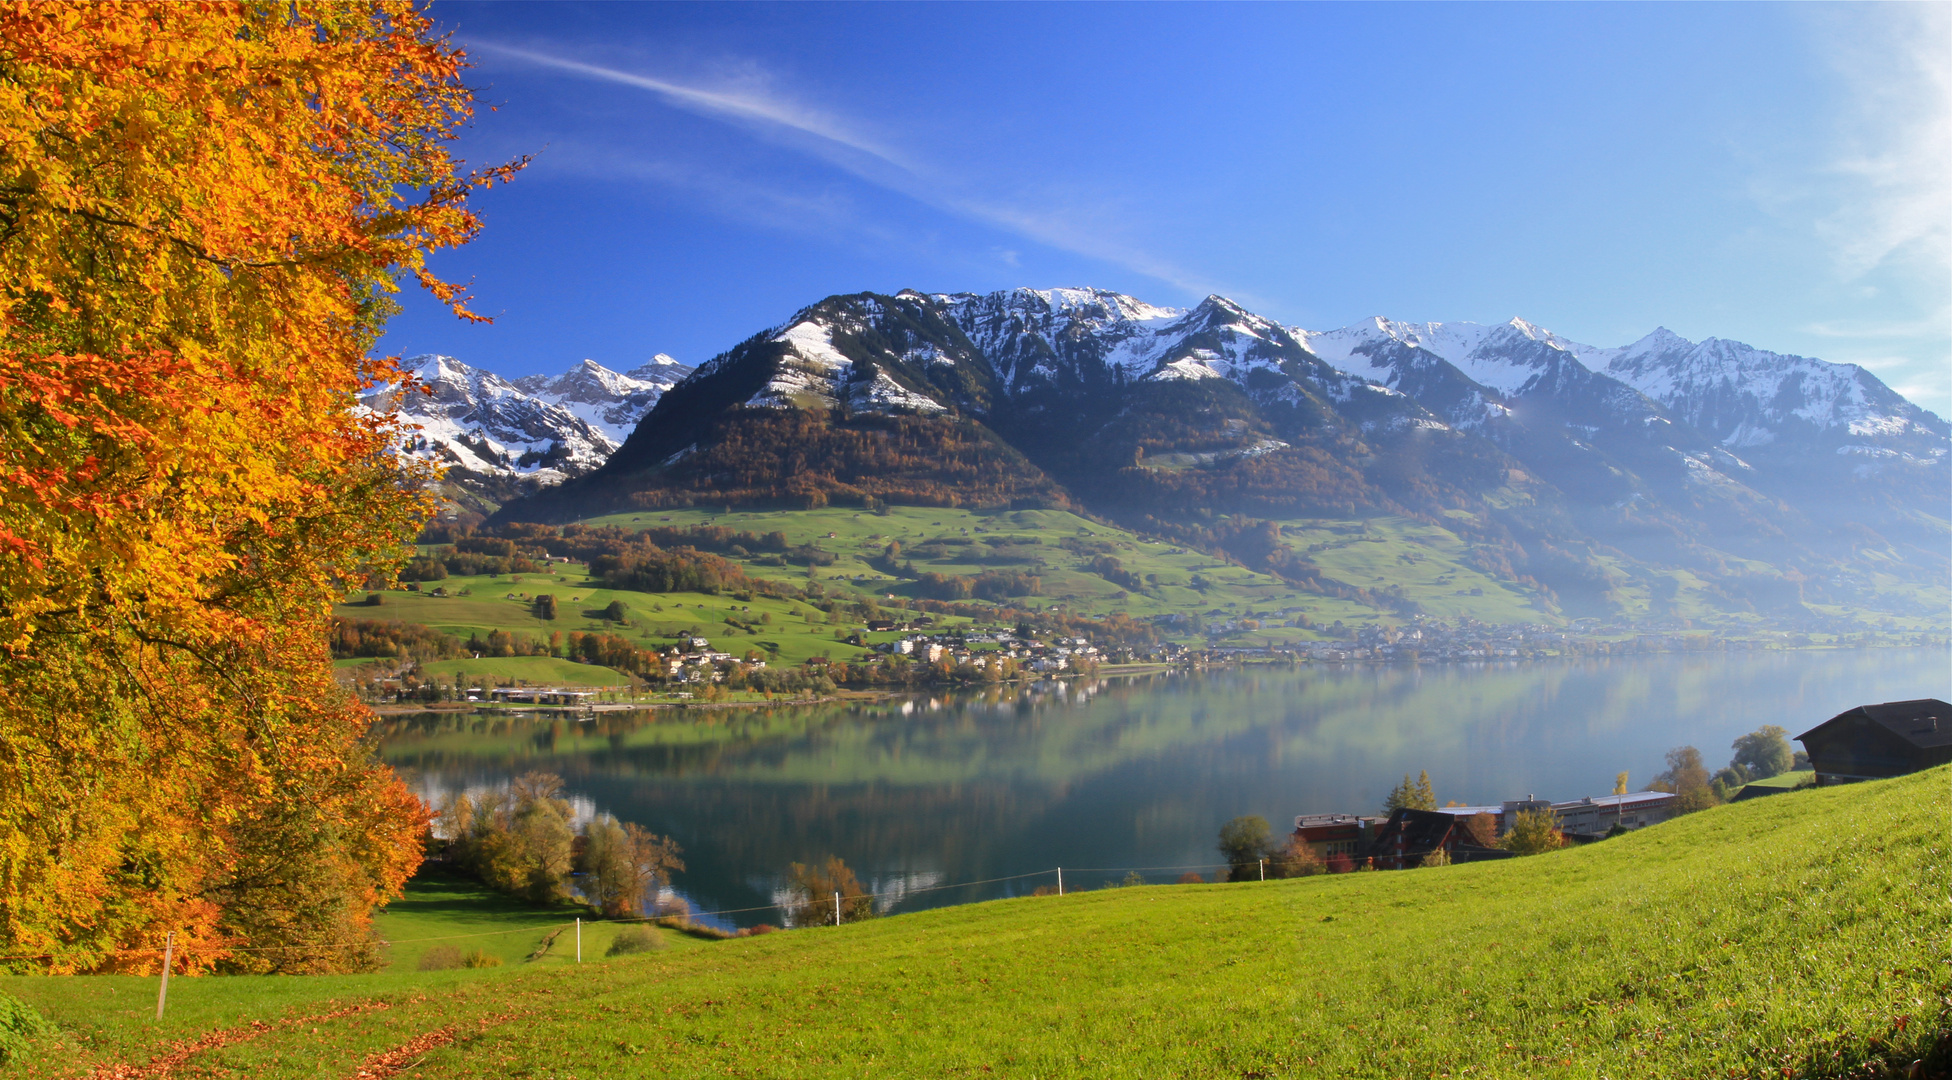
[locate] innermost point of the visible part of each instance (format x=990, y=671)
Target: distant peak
x=1660, y=340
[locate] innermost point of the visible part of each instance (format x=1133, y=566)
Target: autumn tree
x=1295, y=858
x=1532, y=832
x=813, y=890
x=1686, y=777
x=623, y=865
x=204, y=209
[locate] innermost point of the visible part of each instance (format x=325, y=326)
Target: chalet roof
x=1422, y=830
x=1925, y=723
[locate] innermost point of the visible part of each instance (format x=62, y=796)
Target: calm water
x=925, y=792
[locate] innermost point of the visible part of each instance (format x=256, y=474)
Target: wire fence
x=896, y=894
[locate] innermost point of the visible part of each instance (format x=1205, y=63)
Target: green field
x=445, y=909
x=1794, y=936
x=533, y=669
x=1788, y=781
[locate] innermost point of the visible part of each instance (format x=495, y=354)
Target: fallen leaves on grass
x=180, y=1052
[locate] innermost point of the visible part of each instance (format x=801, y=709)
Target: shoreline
x=1105, y=671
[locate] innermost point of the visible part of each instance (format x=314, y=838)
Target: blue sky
x=1772, y=174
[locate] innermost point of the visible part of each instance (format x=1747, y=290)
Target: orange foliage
x=202, y=210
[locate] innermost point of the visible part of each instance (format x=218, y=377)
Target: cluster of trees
x=1109, y=568
x=1417, y=796
x=1762, y=753
x=207, y=209
x=995, y=585
x=470, y=556
x=683, y=570
x=521, y=840
x=352, y=638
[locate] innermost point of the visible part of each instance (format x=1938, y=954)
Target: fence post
x=1060, y=881
x=579, y=939
x=836, y=909
x=162, y=991
x=1263, y=869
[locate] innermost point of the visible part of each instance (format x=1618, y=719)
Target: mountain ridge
x=1590, y=466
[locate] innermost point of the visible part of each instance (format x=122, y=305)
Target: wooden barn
x=1871, y=742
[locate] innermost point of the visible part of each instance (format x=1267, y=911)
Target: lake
x=923, y=794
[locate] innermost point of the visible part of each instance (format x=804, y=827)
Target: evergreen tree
x=1413, y=795
x=1426, y=795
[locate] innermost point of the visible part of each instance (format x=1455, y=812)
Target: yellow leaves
x=202, y=207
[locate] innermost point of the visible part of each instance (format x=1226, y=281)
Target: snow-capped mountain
x=1724, y=412
x=610, y=402
x=1748, y=398
x=1561, y=458
x=541, y=430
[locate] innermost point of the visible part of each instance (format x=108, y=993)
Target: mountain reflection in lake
x=1140, y=772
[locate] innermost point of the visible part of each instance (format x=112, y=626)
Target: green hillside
x=1794, y=936
x=1376, y=570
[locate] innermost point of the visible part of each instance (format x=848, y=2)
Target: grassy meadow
x=1794, y=936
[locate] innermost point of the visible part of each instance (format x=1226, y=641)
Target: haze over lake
x=1105, y=775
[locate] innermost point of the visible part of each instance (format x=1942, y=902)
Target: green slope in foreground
x=1802, y=935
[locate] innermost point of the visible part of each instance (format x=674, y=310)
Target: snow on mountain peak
x=1497, y=357
x=1747, y=396
x=1100, y=303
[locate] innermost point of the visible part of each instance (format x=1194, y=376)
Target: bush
x=441, y=958
x=480, y=959
x=18, y=1023
x=1439, y=857
x=1191, y=879
x=635, y=938
x=755, y=931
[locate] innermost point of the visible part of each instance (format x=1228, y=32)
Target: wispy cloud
x=1896, y=135
x=750, y=105
x=848, y=145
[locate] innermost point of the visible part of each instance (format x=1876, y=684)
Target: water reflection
x=920, y=792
